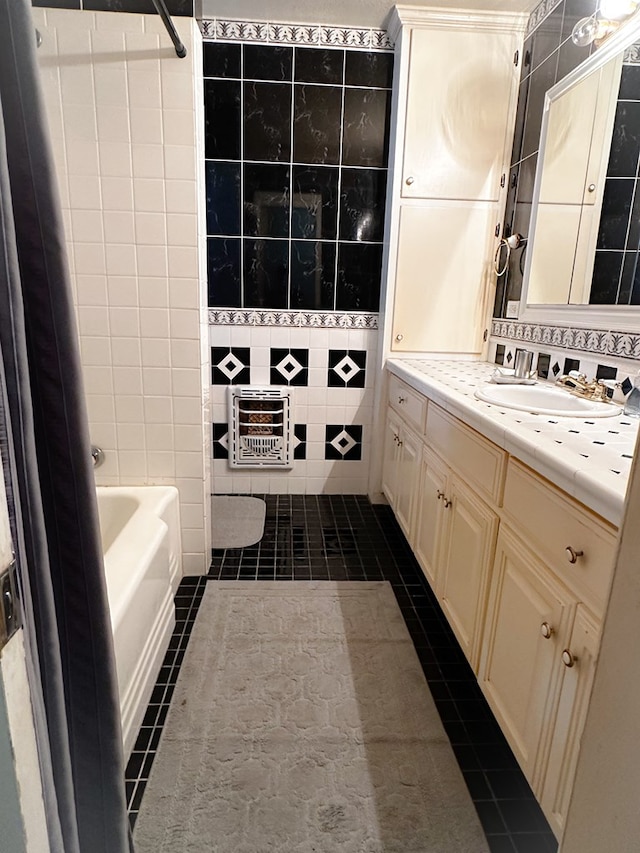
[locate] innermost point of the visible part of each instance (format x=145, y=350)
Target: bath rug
x=302, y=723
x=236, y=521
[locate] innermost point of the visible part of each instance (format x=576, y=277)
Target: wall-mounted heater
x=260, y=427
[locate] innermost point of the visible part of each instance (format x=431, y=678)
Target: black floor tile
x=335, y=537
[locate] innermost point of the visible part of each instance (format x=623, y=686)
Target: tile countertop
x=588, y=459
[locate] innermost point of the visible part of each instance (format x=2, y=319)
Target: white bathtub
x=140, y=529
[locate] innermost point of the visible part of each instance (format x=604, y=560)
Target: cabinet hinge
x=516, y=58
x=497, y=231
x=485, y=335
x=10, y=619
x=503, y=180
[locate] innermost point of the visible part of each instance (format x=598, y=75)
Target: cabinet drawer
x=408, y=403
x=554, y=522
x=478, y=461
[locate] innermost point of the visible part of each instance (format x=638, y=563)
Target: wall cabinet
x=522, y=573
x=457, y=112
x=453, y=124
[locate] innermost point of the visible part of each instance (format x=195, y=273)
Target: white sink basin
x=545, y=400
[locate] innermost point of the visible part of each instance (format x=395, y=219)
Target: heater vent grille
x=260, y=427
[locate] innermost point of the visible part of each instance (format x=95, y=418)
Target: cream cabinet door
x=577, y=663
x=407, y=477
x=430, y=514
x=442, y=276
x=462, y=583
x=461, y=86
x=390, y=459
x=527, y=627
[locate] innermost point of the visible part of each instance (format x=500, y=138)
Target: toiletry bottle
x=632, y=403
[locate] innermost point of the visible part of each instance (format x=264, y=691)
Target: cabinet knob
x=546, y=630
x=447, y=503
x=399, y=442
x=591, y=188
x=410, y=180
x=568, y=659
x=400, y=400
x=440, y=494
x=572, y=555
x=399, y=338
x=396, y=438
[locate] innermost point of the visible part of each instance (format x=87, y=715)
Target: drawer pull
x=568, y=659
x=440, y=494
x=572, y=555
x=400, y=400
x=546, y=630
x=409, y=180
x=447, y=503
x=399, y=442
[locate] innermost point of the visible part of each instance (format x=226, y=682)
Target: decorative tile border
x=539, y=14
x=632, y=55
x=612, y=343
x=314, y=35
x=299, y=319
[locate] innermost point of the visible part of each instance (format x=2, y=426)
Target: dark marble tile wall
x=296, y=147
x=616, y=277
x=548, y=55
x=184, y=8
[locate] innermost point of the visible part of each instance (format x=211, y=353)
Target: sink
x=545, y=400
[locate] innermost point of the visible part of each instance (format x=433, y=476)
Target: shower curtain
x=66, y=617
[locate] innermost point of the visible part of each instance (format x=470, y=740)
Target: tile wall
x=144, y=7
x=331, y=374
x=616, y=277
x=125, y=119
x=296, y=147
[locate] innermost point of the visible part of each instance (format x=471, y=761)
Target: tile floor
x=341, y=537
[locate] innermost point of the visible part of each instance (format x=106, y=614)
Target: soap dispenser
x=632, y=403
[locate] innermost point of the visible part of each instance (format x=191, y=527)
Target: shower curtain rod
x=161, y=9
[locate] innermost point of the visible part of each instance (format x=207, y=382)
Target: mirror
x=584, y=238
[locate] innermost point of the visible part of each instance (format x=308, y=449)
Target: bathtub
x=140, y=531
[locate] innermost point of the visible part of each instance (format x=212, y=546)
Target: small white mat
x=236, y=521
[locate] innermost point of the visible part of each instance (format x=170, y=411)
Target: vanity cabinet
x=470, y=530
x=578, y=665
x=402, y=443
x=453, y=126
x=522, y=572
x=528, y=623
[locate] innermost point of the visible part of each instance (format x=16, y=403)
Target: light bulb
x=617, y=9
x=592, y=29
x=585, y=31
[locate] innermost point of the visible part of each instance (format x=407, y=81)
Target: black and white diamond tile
x=289, y=366
x=346, y=368
x=220, y=441
x=343, y=442
x=230, y=365
x=300, y=441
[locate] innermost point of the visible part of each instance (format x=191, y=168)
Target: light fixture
x=602, y=23
x=591, y=29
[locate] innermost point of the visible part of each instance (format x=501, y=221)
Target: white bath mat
x=236, y=521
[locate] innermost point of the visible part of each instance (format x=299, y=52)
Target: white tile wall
x=316, y=405
x=125, y=120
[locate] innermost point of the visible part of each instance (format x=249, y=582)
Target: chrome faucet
x=580, y=386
